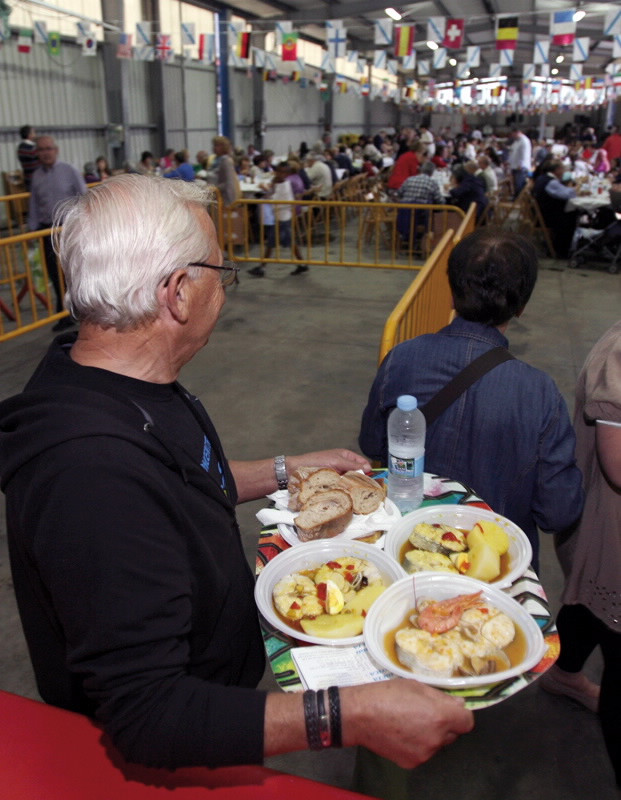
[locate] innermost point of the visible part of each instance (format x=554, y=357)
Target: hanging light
x=432, y=45
x=579, y=14
x=452, y=62
x=392, y=13
x=554, y=71
x=560, y=59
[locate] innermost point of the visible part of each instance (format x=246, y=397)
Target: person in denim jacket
x=509, y=436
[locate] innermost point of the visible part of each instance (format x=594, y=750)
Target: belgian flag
x=506, y=33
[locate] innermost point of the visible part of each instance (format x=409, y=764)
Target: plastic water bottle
x=406, y=454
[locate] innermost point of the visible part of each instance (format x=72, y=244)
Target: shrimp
x=445, y=614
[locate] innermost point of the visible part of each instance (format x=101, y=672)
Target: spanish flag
x=404, y=40
x=506, y=33
x=243, y=45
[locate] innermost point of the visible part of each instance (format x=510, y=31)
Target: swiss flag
x=453, y=34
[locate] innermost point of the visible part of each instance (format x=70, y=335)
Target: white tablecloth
x=588, y=202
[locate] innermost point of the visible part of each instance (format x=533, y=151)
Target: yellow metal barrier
x=338, y=233
x=468, y=224
x=26, y=300
x=426, y=305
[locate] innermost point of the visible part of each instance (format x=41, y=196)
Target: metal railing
x=427, y=304
x=350, y=233
x=371, y=234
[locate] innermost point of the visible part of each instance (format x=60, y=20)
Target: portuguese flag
x=290, y=46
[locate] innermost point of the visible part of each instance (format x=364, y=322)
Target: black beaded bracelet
x=311, y=718
x=335, y=716
x=324, y=720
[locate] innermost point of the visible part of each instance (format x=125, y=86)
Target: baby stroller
x=601, y=243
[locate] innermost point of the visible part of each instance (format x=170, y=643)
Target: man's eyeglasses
x=228, y=270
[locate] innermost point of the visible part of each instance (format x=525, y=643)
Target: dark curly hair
x=492, y=275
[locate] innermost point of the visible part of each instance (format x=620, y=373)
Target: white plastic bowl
x=391, y=607
x=465, y=517
x=308, y=556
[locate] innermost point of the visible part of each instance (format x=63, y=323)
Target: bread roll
x=366, y=494
x=307, y=481
x=324, y=515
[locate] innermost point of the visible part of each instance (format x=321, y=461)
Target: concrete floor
x=288, y=370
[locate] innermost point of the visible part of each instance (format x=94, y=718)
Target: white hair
x=121, y=239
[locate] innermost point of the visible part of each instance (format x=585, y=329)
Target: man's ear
x=176, y=295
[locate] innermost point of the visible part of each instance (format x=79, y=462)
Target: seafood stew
x=460, y=636
x=448, y=597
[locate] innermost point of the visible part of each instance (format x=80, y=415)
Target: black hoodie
x=132, y=585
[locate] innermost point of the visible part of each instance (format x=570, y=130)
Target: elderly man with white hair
x=133, y=589
x=319, y=174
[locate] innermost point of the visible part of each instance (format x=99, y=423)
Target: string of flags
x=394, y=53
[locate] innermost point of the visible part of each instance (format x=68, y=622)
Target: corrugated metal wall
x=293, y=114
x=63, y=95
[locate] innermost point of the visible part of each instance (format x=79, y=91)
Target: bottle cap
x=406, y=402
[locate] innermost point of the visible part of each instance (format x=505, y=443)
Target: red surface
x=50, y=754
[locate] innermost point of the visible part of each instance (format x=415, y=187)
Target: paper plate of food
x=452, y=632
x=460, y=540
x=322, y=504
x=322, y=591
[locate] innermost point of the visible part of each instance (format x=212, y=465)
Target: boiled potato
x=494, y=535
x=484, y=562
x=364, y=598
x=340, y=626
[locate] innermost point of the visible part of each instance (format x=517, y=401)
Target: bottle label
x=406, y=467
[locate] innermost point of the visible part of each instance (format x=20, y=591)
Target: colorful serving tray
x=527, y=590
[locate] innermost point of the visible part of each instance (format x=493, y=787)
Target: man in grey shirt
x=52, y=182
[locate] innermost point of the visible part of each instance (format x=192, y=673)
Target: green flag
x=53, y=43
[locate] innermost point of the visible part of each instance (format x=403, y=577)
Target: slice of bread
x=324, y=515
x=307, y=481
x=366, y=494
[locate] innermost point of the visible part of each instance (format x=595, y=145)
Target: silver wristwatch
x=280, y=468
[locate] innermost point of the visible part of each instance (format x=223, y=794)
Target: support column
x=115, y=81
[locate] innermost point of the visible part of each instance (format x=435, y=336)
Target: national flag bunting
x=404, y=40
x=290, y=46
x=206, y=48
x=454, y=34
x=163, y=46
x=53, y=43
x=243, y=45
x=562, y=26
x=506, y=33
x=124, y=47
x=24, y=40
x=89, y=46
x=40, y=32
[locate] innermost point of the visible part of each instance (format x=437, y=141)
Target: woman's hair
x=223, y=140
x=492, y=275
x=121, y=239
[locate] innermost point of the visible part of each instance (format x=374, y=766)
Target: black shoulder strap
x=462, y=381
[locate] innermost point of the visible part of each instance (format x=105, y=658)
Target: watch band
x=280, y=468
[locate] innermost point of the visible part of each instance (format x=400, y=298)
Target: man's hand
x=402, y=720
x=257, y=478
x=340, y=459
